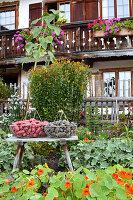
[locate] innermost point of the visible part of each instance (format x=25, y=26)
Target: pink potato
x=16, y=128
x=38, y=130
x=45, y=123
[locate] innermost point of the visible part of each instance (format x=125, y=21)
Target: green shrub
x=42, y=184
x=60, y=87
x=101, y=154
x=5, y=92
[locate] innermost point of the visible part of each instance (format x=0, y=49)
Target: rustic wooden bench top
x=43, y=139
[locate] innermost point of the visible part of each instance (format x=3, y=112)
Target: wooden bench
x=22, y=141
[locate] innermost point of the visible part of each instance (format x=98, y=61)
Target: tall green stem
x=28, y=102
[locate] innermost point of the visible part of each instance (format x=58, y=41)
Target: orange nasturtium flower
x=86, y=178
x=29, y=184
x=7, y=181
x=40, y=171
x=115, y=175
x=129, y=175
x=45, y=194
x=14, y=189
x=85, y=191
x=54, y=198
x=120, y=181
x=32, y=179
x=68, y=184
x=86, y=139
x=122, y=174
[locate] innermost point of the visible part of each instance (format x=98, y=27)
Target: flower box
x=122, y=32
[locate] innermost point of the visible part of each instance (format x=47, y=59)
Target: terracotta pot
x=122, y=32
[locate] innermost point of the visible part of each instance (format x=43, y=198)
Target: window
x=9, y=13
x=65, y=7
x=125, y=84
x=122, y=8
x=115, y=8
x=107, y=9
x=109, y=84
x=7, y=20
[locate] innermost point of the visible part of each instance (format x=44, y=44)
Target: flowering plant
x=41, y=184
x=41, y=40
x=111, y=26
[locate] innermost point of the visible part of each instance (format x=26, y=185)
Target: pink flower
x=89, y=25
x=25, y=30
x=111, y=31
x=106, y=33
x=25, y=41
x=18, y=48
x=54, y=44
x=53, y=34
x=28, y=31
x=117, y=34
x=61, y=32
x=59, y=42
x=22, y=45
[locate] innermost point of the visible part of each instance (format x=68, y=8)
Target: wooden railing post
x=78, y=33
x=3, y=51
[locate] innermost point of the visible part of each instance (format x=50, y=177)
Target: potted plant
x=111, y=27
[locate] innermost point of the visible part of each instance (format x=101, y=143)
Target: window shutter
x=84, y=10
x=35, y=12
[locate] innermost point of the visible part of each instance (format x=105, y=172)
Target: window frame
x=115, y=8
x=117, y=70
x=45, y=3
x=5, y=6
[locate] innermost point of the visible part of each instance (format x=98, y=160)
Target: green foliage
x=41, y=183
x=60, y=87
x=101, y=154
x=14, y=110
x=8, y=151
x=5, y=91
x=39, y=41
x=93, y=118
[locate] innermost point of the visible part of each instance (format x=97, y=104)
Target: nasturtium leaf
x=34, y=171
x=110, y=170
x=95, y=190
x=121, y=194
x=108, y=181
x=26, y=171
x=52, y=190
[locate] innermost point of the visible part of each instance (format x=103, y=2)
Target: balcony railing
x=77, y=39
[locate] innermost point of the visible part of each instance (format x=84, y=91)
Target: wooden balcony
x=78, y=43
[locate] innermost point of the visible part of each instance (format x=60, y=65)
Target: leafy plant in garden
x=14, y=110
x=40, y=42
x=101, y=154
x=5, y=92
x=41, y=183
x=60, y=87
x=93, y=118
x=111, y=26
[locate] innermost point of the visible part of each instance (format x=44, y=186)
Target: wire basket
x=23, y=129
x=60, y=129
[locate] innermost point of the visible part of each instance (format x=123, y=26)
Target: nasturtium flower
x=68, y=184
x=14, y=189
x=86, y=139
x=85, y=191
x=29, y=184
x=115, y=175
x=128, y=175
x=40, y=171
x=122, y=174
x=7, y=181
x=45, y=194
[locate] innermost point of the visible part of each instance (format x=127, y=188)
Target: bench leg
x=67, y=155
x=19, y=154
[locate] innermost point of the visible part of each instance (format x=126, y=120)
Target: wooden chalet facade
x=110, y=58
